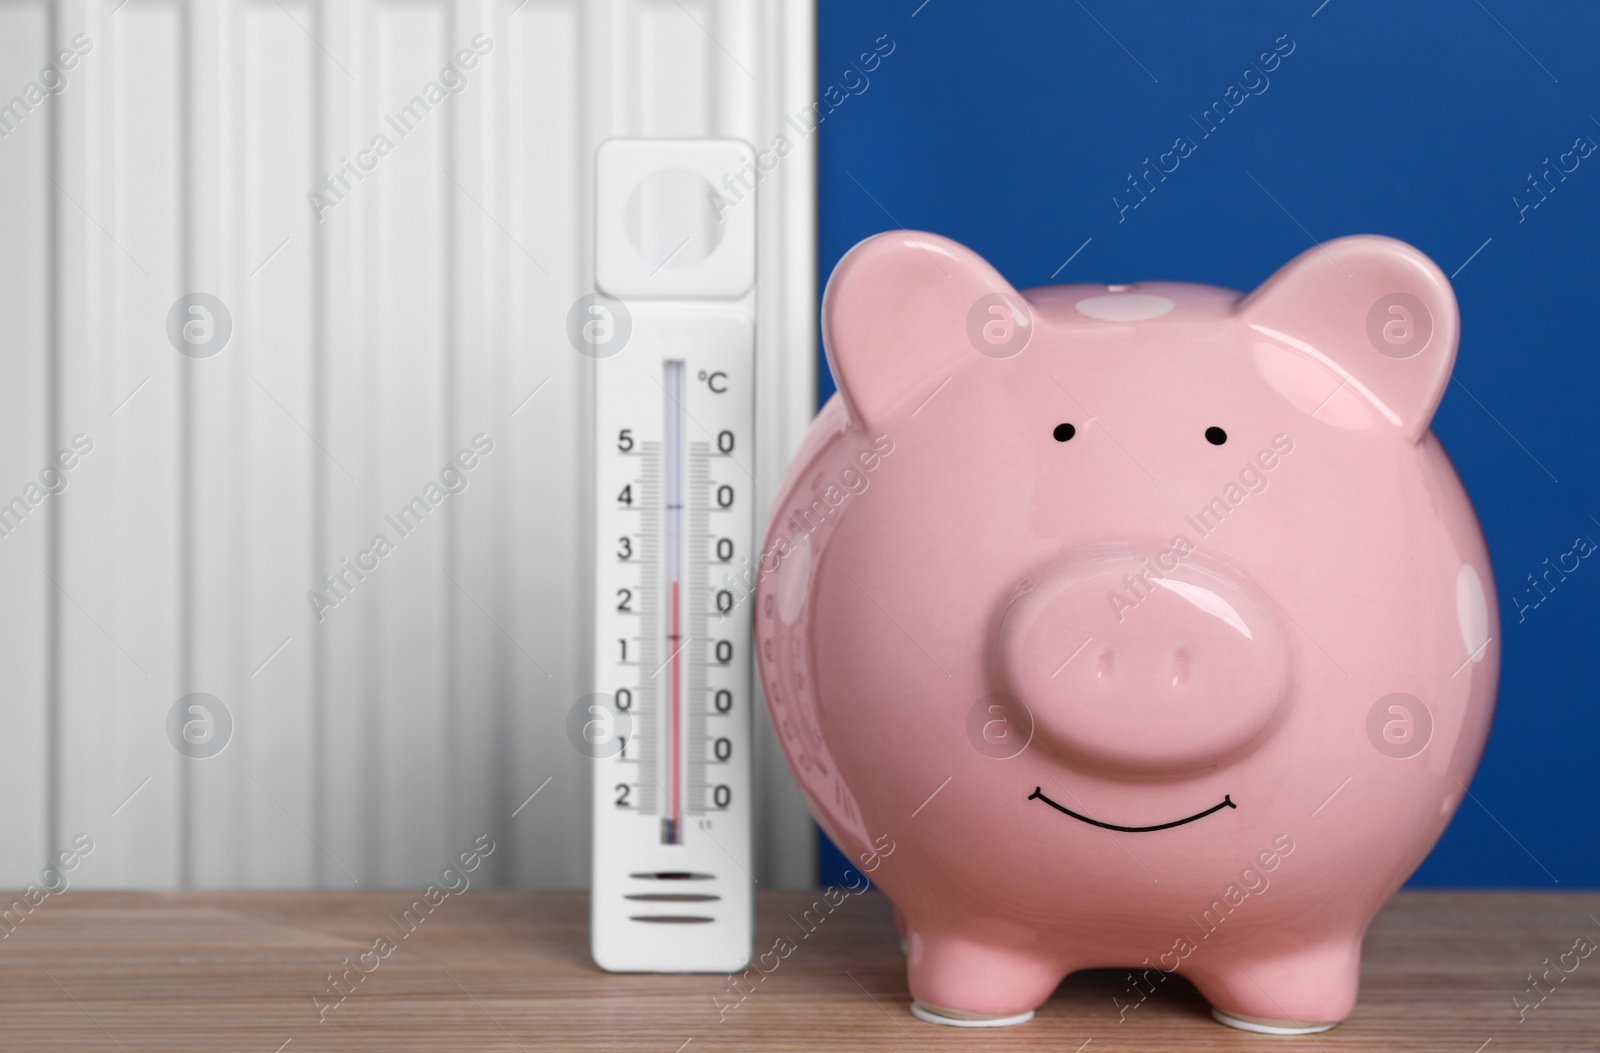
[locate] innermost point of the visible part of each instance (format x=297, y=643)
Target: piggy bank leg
x=900, y=928
x=1297, y=993
x=962, y=982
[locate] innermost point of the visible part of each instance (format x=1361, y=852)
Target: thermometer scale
x=672, y=879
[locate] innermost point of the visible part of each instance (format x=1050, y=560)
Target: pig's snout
x=1137, y=665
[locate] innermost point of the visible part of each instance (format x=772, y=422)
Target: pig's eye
x=1064, y=432
x=1216, y=436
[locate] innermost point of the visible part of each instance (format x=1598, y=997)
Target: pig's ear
x=1377, y=312
x=896, y=313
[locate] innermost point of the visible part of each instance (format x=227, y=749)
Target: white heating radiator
x=391, y=304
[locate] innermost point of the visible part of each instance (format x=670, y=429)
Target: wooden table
x=511, y=971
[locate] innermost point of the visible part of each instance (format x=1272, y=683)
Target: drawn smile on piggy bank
x=1193, y=677
x=1037, y=794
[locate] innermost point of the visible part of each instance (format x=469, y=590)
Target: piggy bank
x=1140, y=626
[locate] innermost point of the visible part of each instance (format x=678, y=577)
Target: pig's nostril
x=1104, y=664
x=1180, y=667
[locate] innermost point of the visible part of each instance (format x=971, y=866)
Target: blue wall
x=1010, y=126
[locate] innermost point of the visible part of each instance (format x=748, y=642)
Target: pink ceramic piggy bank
x=1139, y=626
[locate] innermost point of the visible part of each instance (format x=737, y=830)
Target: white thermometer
x=675, y=502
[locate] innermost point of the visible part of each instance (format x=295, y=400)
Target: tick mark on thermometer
x=1038, y=794
x=678, y=650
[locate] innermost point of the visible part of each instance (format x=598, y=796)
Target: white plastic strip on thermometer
x=672, y=885
x=702, y=123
